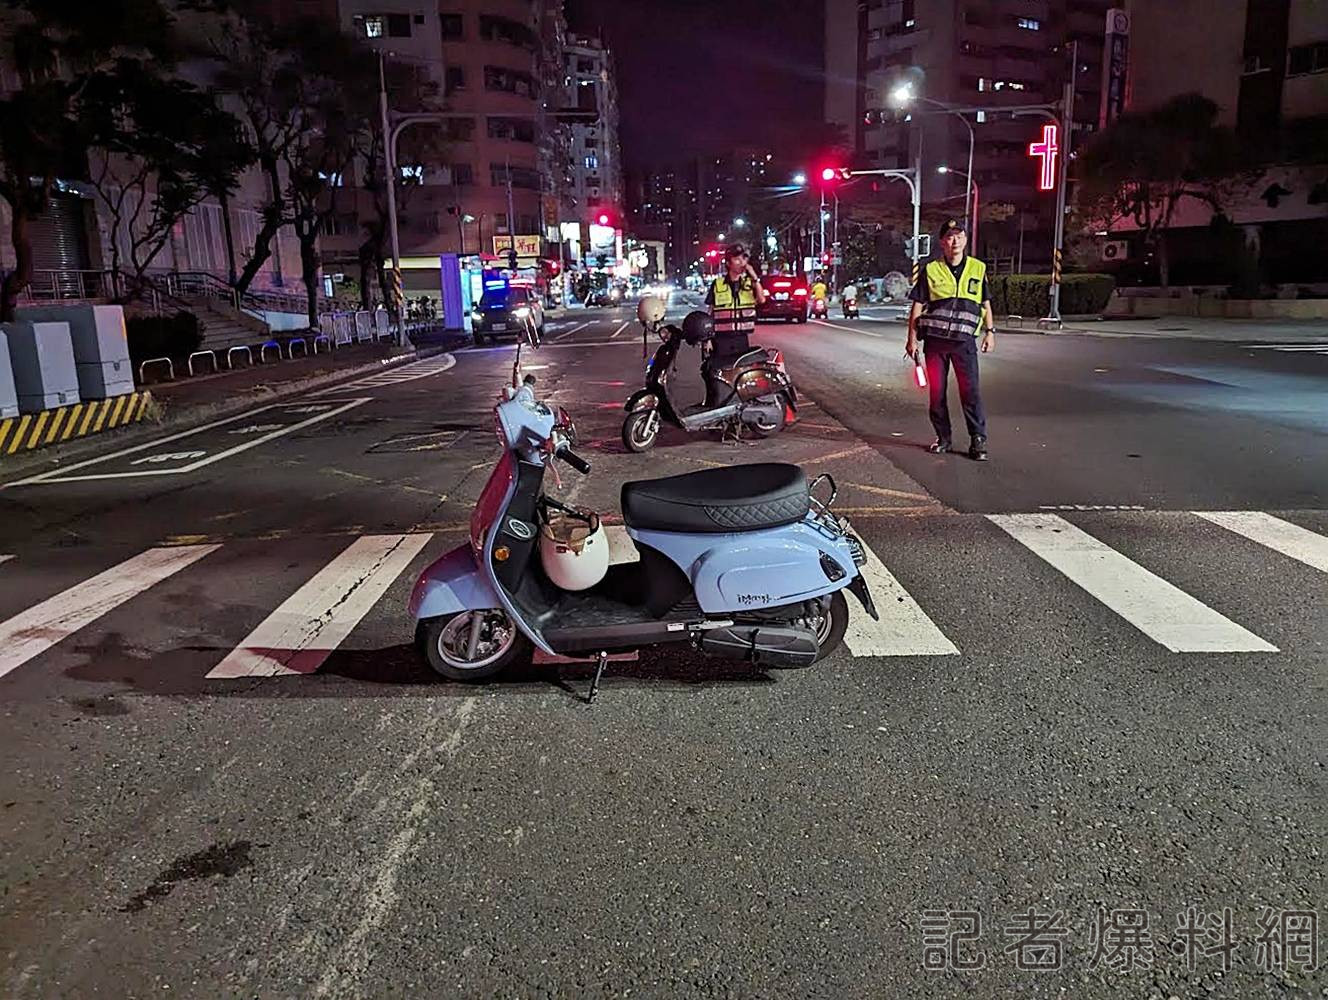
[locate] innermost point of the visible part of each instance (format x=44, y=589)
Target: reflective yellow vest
x=734, y=314
x=954, y=308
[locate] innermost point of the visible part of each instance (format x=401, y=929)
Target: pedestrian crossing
x=333, y=591
x=392, y=376
x=1293, y=347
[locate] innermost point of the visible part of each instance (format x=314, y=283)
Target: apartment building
x=965, y=52
x=596, y=164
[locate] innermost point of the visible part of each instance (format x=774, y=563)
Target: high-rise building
x=966, y=53
x=596, y=164
x=1264, y=63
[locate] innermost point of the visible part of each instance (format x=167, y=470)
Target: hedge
x=1029, y=294
x=175, y=336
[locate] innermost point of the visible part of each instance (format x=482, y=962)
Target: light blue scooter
x=742, y=563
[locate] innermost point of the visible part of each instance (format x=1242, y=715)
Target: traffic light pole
x=389, y=160
x=913, y=178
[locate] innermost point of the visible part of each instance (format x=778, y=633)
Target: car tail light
x=799, y=291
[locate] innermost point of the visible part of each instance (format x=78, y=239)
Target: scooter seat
x=714, y=501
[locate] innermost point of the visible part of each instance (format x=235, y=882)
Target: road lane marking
x=43, y=625
x=393, y=376
x=311, y=623
x=1301, y=544
x=614, y=335
x=904, y=628
x=5, y=557
x=63, y=476
x=579, y=326
x=851, y=329
x=1161, y=611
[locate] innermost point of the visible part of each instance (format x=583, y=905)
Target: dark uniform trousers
x=962, y=354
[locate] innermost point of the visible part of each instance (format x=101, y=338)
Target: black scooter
x=754, y=391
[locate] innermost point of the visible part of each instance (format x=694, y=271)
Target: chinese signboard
x=526, y=246
x=1115, y=63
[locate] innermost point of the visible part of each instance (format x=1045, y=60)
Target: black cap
x=735, y=250
x=951, y=226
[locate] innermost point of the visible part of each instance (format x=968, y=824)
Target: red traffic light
x=603, y=219
x=829, y=174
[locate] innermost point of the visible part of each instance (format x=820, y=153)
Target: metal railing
x=73, y=284
x=51, y=284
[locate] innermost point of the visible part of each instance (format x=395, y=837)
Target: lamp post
x=973, y=226
x=1060, y=112
x=903, y=96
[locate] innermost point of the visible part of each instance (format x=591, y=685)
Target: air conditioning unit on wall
x=1114, y=250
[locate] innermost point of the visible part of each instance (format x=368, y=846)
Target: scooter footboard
x=451, y=584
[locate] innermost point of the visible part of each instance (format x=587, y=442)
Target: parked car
x=502, y=310
x=786, y=298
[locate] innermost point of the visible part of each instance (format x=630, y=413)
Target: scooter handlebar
x=575, y=461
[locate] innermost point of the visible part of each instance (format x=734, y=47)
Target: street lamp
x=739, y=222
x=903, y=95
x=799, y=178
x=973, y=225
x=721, y=237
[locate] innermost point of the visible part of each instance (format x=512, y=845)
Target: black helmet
x=697, y=327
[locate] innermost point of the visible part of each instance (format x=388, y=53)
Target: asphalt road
x=1108, y=707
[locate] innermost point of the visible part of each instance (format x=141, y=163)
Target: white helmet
x=650, y=310
x=575, y=552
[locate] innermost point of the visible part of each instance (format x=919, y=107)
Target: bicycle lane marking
x=150, y=459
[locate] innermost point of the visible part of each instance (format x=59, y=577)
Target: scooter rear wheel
x=779, y=425
x=640, y=430
x=447, y=645
x=830, y=630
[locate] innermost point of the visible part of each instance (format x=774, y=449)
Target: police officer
x=951, y=309
x=732, y=298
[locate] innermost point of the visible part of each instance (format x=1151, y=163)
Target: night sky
x=701, y=76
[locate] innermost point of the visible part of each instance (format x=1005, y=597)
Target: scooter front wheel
x=769, y=430
x=640, y=430
x=472, y=645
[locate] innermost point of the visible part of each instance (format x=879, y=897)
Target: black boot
x=938, y=447
x=977, y=449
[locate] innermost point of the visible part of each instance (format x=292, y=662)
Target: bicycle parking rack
x=290, y=347
x=170, y=368
x=230, y=356
x=262, y=351
x=204, y=354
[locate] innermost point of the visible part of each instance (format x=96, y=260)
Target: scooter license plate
x=781, y=296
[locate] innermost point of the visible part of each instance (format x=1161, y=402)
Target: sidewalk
x=189, y=401
x=1191, y=328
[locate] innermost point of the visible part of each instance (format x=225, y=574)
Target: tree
x=56, y=49
x=161, y=146
x=1145, y=163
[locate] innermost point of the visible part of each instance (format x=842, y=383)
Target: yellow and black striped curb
x=36, y=430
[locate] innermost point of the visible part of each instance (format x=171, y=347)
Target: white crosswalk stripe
x=5, y=557
x=40, y=627
x=339, y=594
x=313, y=622
x=904, y=628
x=1161, y=611
x=1295, y=346
x=1281, y=536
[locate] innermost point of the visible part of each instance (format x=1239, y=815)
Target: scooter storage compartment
x=765, y=645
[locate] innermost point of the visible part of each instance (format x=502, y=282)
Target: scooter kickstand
x=600, y=662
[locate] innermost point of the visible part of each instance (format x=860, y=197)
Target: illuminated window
x=1029, y=23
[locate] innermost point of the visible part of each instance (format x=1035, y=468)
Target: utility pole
x=834, y=249
x=511, y=218
x=391, y=168
x=1067, y=129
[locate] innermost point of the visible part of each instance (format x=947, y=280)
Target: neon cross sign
x=1046, y=150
